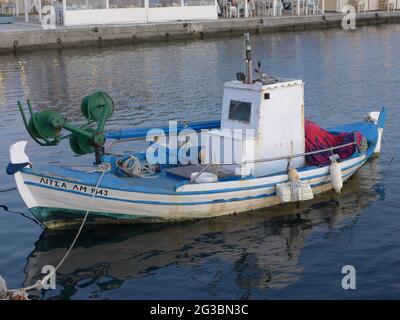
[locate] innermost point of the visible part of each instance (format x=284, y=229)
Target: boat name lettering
x=75, y=187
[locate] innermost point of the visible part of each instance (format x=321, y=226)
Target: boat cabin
x=264, y=121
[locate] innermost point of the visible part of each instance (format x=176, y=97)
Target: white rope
x=389, y=147
x=133, y=167
x=103, y=169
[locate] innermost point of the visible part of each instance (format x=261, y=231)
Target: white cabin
x=264, y=121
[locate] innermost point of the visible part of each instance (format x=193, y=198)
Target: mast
x=248, y=62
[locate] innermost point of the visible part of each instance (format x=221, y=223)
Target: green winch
x=45, y=126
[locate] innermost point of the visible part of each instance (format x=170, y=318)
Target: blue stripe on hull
x=147, y=191
x=57, y=217
x=178, y=203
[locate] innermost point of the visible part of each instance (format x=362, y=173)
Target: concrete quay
x=30, y=36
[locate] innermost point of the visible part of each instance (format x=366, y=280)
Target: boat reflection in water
x=261, y=249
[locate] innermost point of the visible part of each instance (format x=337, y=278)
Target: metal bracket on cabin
x=45, y=126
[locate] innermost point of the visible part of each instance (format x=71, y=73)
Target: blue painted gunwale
x=175, y=193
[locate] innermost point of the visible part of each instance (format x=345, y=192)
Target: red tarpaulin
x=319, y=139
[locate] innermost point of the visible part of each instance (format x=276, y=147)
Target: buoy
x=295, y=190
x=336, y=173
x=202, y=157
x=293, y=175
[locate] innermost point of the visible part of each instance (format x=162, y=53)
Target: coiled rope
x=103, y=169
x=133, y=167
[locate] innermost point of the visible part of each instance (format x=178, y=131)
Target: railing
x=289, y=157
x=262, y=8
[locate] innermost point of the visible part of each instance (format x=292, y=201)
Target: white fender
x=336, y=174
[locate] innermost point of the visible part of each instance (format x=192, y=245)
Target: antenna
x=248, y=62
x=264, y=78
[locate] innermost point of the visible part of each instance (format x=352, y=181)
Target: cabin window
x=240, y=111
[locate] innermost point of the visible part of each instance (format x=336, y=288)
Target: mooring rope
x=9, y=189
x=389, y=147
x=21, y=214
x=103, y=169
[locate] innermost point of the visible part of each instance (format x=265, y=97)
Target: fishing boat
x=134, y=252
x=263, y=152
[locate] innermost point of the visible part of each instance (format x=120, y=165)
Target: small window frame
x=237, y=104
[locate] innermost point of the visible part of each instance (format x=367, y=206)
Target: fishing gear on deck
x=45, y=126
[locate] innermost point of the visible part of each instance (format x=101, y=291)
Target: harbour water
x=276, y=253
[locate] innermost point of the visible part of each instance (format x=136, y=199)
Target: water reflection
x=253, y=251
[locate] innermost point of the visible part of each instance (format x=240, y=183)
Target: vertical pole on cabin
x=249, y=63
x=17, y=8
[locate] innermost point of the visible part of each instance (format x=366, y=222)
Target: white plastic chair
x=267, y=7
x=241, y=7
x=298, y=6
x=360, y=5
x=8, y=8
x=231, y=10
x=313, y=5
x=278, y=8
x=389, y=4
x=251, y=9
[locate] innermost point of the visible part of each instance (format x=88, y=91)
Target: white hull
x=215, y=199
